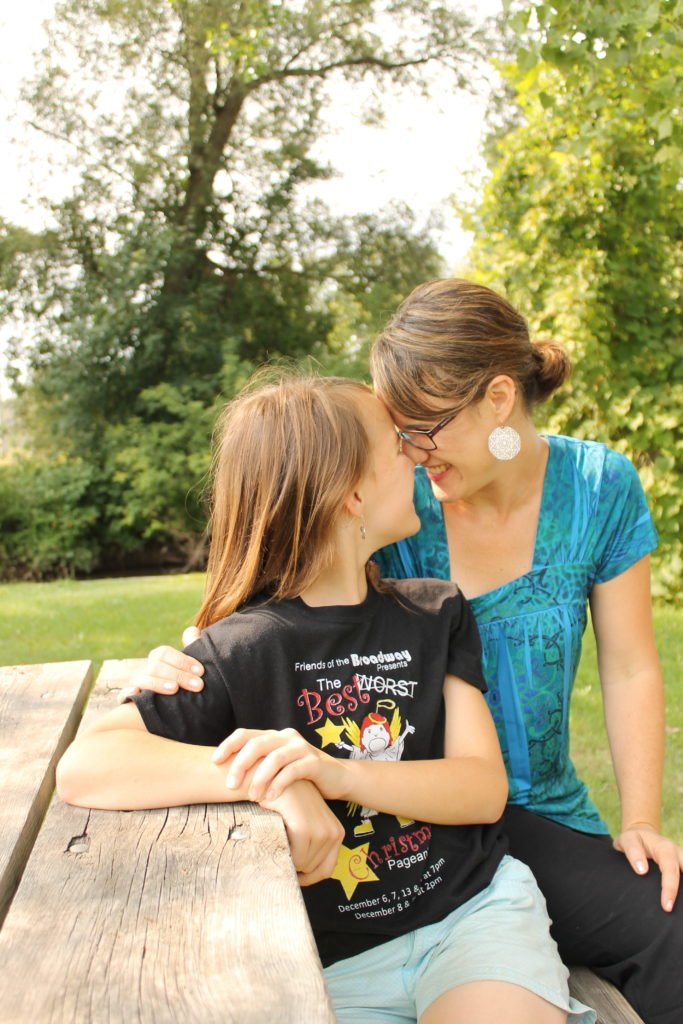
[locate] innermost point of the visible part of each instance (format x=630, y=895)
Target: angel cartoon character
x=377, y=739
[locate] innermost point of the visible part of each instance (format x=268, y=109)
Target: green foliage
x=187, y=253
x=187, y=238
x=582, y=225
x=157, y=463
x=48, y=516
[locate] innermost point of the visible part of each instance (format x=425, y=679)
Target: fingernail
x=231, y=782
x=669, y=905
x=640, y=867
x=196, y=670
x=170, y=687
x=195, y=684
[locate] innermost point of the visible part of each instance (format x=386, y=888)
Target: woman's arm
x=467, y=786
x=633, y=695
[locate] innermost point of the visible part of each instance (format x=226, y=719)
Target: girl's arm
x=467, y=786
x=633, y=695
x=116, y=764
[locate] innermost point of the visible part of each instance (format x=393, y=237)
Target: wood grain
x=188, y=914
x=40, y=707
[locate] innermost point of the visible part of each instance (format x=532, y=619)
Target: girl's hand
x=168, y=670
x=640, y=842
x=314, y=832
x=284, y=756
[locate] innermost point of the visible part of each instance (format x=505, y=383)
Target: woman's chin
x=446, y=491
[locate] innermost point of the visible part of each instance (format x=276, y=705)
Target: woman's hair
x=289, y=450
x=446, y=343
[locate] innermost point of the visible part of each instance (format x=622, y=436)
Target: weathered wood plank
x=187, y=914
x=40, y=707
x=183, y=915
x=611, y=1006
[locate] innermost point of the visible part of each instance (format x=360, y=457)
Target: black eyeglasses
x=424, y=439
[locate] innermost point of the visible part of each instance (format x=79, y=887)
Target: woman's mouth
x=436, y=473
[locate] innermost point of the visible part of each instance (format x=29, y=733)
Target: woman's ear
x=502, y=394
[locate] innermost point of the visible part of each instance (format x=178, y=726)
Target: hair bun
x=553, y=367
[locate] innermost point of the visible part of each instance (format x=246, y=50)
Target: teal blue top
x=594, y=523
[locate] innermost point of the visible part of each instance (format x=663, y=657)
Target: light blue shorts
x=501, y=934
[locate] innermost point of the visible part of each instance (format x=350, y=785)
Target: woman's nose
x=418, y=455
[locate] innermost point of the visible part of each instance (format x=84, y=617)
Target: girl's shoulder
x=426, y=595
x=253, y=623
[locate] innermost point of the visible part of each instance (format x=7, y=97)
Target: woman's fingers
x=642, y=845
x=168, y=670
x=633, y=848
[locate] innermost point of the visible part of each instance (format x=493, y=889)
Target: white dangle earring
x=504, y=443
x=363, y=533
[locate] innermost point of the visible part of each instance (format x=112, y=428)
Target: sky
x=420, y=155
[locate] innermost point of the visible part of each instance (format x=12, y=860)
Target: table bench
x=187, y=914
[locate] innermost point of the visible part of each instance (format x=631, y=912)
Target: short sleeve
x=203, y=718
x=464, y=645
x=626, y=532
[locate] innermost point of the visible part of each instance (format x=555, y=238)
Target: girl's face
x=461, y=464
x=387, y=488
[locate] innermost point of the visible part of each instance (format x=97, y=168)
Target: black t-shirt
x=360, y=681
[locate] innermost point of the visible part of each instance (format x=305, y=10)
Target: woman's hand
x=641, y=842
x=314, y=832
x=168, y=670
x=285, y=757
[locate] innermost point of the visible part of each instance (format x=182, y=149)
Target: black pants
x=604, y=915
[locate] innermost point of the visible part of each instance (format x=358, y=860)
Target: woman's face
x=461, y=464
x=387, y=487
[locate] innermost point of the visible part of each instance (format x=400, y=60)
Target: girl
x=424, y=915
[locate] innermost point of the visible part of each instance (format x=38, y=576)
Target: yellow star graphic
x=352, y=868
x=330, y=733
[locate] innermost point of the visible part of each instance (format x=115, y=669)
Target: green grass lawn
x=96, y=619
x=124, y=618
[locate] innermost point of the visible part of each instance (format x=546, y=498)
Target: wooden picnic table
x=186, y=914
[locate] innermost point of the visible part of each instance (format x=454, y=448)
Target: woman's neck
x=517, y=482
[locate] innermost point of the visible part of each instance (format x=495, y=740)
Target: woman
x=424, y=917
x=534, y=529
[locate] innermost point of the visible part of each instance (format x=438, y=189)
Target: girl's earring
x=504, y=443
x=363, y=533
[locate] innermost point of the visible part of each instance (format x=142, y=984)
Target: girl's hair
x=289, y=451
x=446, y=343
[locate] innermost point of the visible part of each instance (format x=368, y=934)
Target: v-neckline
x=545, y=489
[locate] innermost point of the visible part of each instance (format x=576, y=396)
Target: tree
x=187, y=251
x=185, y=238
x=582, y=224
